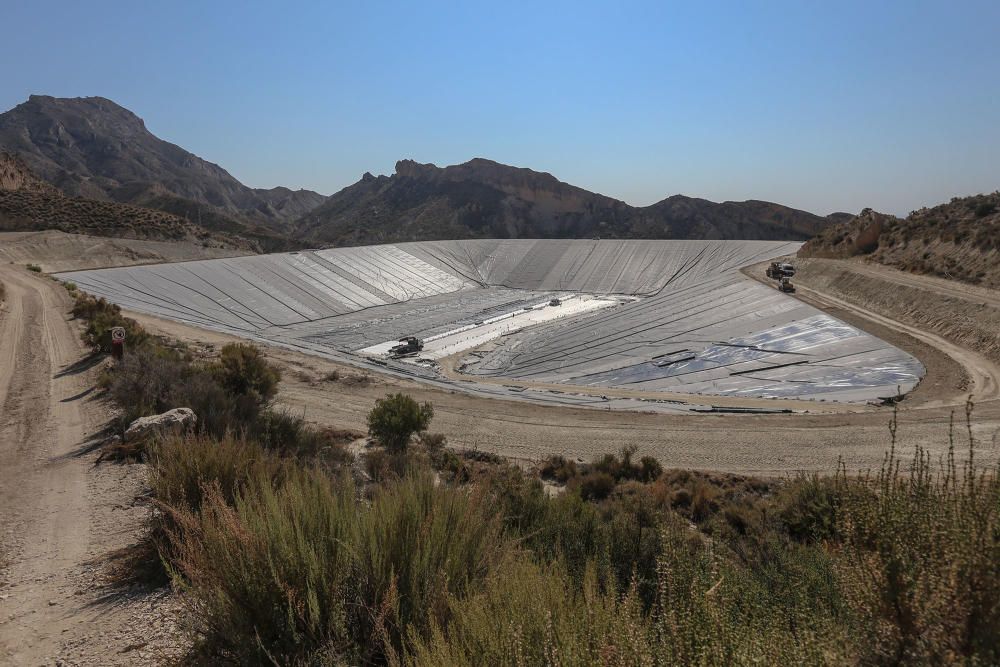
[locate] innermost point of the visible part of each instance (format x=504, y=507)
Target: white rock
x=171, y=422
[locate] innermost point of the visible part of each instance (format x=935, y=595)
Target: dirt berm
x=964, y=314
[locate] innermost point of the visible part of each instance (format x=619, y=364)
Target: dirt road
x=60, y=516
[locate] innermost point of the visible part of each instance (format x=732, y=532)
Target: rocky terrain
x=95, y=149
x=29, y=204
x=485, y=199
x=91, y=147
x=958, y=240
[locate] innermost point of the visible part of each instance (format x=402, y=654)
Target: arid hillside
x=958, y=240
x=485, y=199
x=94, y=148
x=29, y=204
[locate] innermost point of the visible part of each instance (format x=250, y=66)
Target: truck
x=408, y=346
x=778, y=270
x=785, y=285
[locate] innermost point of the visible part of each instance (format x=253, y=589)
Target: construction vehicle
x=785, y=285
x=407, y=347
x=778, y=270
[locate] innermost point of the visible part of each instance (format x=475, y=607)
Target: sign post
x=117, y=342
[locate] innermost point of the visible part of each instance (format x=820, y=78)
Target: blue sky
x=823, y=106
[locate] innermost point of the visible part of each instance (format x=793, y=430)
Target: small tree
x=397, y=417
x=242, y=370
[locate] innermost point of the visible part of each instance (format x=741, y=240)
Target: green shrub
x=34, y=268
x=269, y=579
x=181, y=468
x=395, y=419
x=531, y=614
x=984, y=209
x=808, y=507
x=241, y=369
x=419, y=545
x=101, y=317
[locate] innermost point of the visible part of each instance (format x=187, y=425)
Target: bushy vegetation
x=285, y=552
x=34, y=268
x=294, y=564
x=101, y=316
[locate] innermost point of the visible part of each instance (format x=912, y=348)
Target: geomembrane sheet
x=687, y=320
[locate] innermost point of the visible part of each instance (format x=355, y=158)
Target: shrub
x=101, y=317
x=419, y=545
x=558, y=468
x=596, y=485
x=395, y=419
x=242, y=370
x=808, y=507
x=530, y=614
x=289, y=435
x=181, y=469
x=34, y=268
x=922, y=561
x=984, y=209
x=268, y=579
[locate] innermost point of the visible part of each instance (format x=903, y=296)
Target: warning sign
x=117, y=334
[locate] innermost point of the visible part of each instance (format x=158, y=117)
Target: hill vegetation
x=958, y=240
x=29, y=204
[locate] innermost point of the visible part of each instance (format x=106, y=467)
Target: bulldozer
x=779, y=270
x=408, y=346
x=785, y=285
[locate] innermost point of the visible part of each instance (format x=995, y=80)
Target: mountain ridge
x=481, y=198
x=29, y=204
x=93, y=147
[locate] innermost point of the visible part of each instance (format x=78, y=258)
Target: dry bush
x=922, y=559
x=558, y=468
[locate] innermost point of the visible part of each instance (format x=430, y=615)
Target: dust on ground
x=57, y=251
x=61, y=515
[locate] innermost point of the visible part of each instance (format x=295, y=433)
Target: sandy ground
x=61, y=516
x=58, y=251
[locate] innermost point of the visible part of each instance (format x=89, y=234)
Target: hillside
x=29, y=204
x=484, y=199
x=958, y=240
x=91, y=147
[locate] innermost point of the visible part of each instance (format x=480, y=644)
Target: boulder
x=172, y=422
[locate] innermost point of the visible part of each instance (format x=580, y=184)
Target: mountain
x=91, y=147
x=29, y=204
x=482, y=199
x=958, y=240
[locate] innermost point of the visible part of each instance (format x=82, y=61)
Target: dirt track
x=60, y=515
